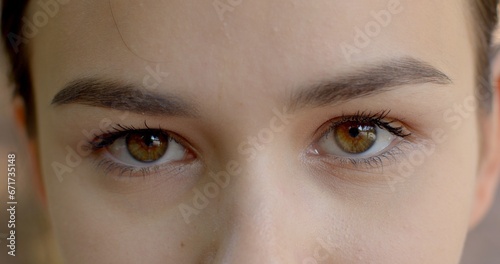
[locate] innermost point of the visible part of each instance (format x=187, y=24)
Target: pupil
x=354, y=132
x=147, y=146
x=150, y=141
x=355, y=137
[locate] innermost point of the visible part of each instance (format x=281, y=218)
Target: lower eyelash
x=374, y=162
x=110, y=167
x=386, y=158
x=114, y=168
x=117, y=131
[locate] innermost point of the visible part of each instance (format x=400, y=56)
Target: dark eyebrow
x=370, y=80
x=123, y=96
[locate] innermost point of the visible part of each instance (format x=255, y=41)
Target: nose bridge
x=257, y=229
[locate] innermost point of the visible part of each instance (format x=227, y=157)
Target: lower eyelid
x=170, y=180
x=375, y=164
x=119, y=171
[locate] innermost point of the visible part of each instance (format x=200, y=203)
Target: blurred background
x=34, y=240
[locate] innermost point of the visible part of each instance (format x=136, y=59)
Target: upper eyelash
x=377, y=119
x=107, y=138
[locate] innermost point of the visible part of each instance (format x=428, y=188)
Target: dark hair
x=11, y=23
x=484, y=13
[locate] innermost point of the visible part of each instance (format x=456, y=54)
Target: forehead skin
x=279, y=41
x=237, y=69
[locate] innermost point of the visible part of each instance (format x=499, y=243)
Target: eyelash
x=107, y=138
x=378, y=119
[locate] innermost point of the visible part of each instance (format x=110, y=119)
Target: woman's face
x=257, y=131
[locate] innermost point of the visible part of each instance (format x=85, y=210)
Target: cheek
x=424, y=215
x=93, y=227
x=428, y=215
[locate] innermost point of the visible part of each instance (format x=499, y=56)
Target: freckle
x=182, y=244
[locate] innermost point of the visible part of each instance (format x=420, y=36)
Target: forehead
x=251, y=45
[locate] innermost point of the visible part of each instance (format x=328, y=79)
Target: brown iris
x=147, y=146
x=355, y=137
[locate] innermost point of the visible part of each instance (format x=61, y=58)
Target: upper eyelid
x=115, y=134
x=377, y=117
x=96, y=142
x=119, y=130
x=326, y=127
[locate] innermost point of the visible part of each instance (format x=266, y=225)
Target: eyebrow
x=369, y=80
x=366, y=81
x=123, y=96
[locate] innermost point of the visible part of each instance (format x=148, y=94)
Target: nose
x=261, y=224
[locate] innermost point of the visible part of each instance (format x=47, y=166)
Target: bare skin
x=289, y=195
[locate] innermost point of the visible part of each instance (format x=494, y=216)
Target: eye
x=354, y=137
x=142, y=148
x=360, y=136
